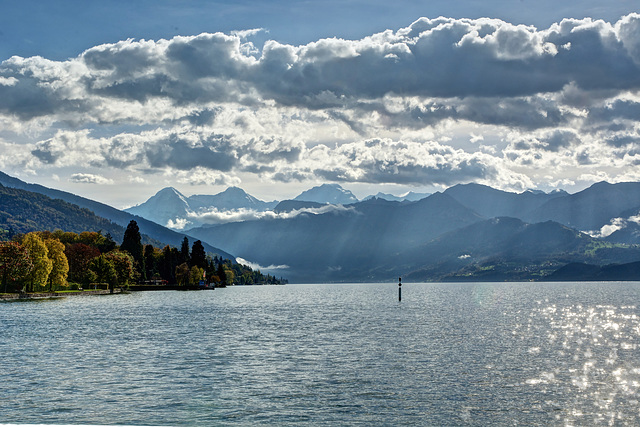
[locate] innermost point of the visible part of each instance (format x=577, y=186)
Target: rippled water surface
x=448, y=354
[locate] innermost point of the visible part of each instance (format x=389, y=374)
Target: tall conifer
x=132, y=243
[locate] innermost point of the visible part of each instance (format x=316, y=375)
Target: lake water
x=448, y=354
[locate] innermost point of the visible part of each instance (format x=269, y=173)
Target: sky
x=115, y=100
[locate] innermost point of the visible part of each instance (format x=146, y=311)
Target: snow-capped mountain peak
x=328, y=193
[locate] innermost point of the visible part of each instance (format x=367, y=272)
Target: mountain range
x=172, y=209
x=467, y=232
x=437, y=238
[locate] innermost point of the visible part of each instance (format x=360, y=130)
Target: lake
x=448, y=354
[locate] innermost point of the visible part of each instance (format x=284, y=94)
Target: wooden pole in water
x=399, y=288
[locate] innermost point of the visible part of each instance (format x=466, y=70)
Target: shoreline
x=45, y=295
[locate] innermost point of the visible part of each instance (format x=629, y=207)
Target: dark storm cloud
x=551, y=141
x=444, y=58
x=179, y=153
x=620, y=109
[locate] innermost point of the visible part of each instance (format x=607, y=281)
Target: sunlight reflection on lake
x=593, y=350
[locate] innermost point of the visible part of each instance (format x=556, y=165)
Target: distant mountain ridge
x=408, y=197
x=171, y=208
x=166, y=203
x=231, y=198
x=491, y=203
x=588, y=210
x=467, y=232
x=591, y=208
x=328, y=193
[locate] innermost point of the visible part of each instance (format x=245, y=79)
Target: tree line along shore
x=55, y=261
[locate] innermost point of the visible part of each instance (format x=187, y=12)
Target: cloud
x=541, y=106
x=8, y=81
x=628, y=32
x=408, y=162
x=444, y=57
x=476, y=138
x=256, y=266
x=203, y=176
x=614, y=225
x=87, y=178
x=178, y=224
x=215, y=216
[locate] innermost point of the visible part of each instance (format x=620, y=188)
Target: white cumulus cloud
x=88, y=178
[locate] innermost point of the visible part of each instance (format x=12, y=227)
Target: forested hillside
x=24, y=211
x=148, y=228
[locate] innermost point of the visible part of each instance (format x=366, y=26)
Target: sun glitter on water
x=588, y=362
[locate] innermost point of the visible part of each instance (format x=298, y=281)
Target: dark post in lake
x=399, y=288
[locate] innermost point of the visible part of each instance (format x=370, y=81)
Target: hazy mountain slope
x=591, y=208
x=121, y=218
x=497, y=237
x=344, y=244
x=328, y=193
x=23, y=211
x=491, y=203
x=502, y=249
x=230, y=199
x=582, y=271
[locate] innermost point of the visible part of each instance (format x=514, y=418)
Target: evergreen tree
x=168, y=263
x=132, y=243
x=184, y=252
x=198, y=255
x=150, y=261
x=222, y=274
